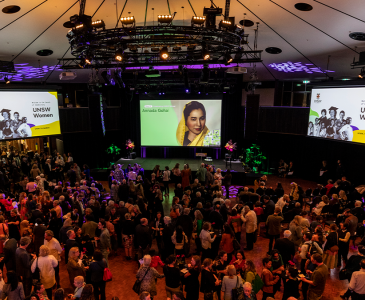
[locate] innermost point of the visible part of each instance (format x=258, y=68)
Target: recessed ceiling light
x=44, y=52
x=358, y=36
x=11, y=9
x=68, y=24
x=247, y=23
x=273, y=50
x=303, y=6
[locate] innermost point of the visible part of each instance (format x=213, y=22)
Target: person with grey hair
x=230, y=282
x=24, y=262
x=358, y=211
x=249, y=217
x=285, y=247
x=148, y=276
x=186, y=223
x=248, y=292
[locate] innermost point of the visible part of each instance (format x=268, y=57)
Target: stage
x=239, y=176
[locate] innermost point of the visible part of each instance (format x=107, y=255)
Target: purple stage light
x=290, y=67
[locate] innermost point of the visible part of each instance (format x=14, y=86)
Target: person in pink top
x=259, y=213
x=31, y=186
x=6, y=202
x=156, y=260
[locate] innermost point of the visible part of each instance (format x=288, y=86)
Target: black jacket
x=142, y=237
x=70, y=244
x=186, y=223
x=23, y=263
x=97, y=270
x=216, y=219
x=35, y=215
x=286, y=249
x=9, y=254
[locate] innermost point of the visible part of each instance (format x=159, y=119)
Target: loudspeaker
x=252, y=116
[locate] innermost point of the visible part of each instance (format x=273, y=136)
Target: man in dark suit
x=142, y=238
x=37, y=214
x=24, y=261
x=167, y=233
x=48, y=169
x=269, y=207
x=70, y=243
x=187, y=224
x=9, y=249
x=38, y=234
x=215, y=218
x=285, y=247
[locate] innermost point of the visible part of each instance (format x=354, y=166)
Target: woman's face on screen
x=196, y=121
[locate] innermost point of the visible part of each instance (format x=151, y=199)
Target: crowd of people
x=51, y=209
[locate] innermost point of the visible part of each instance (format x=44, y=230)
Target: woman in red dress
x=185, y=175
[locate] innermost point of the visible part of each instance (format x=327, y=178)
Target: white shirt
x=54, y=247
x=46, y=265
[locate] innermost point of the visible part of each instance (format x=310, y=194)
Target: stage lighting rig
x=6, y=80
x=197, y=21
x=362, y=73
x=128, y=21
x=228, y=58
x=225, y=24
x=164, y=53
x=165, y=19
x=205, y=54
x=98, y=24
x=88, y=59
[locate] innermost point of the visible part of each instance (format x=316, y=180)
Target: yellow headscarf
x=182, y=129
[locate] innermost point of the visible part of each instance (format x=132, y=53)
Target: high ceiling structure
x=311, y=41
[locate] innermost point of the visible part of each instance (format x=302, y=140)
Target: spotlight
x=98, y=24
x=164, y=53
x=205, y=54
x=82, y=63
x=6, y=79
x=228, y=58
x=164, y=19
x=119, y=55
x=88, y=59
x=197, y=20
x=127, y=20
x=362, y=73
x=225, y=24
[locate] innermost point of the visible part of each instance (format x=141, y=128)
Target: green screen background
x=158, y=128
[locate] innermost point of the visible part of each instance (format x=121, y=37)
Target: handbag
x=107, y=274
x=208, y=295
x=257, y=284
x=335, y=248
x=36, y=277
x=137, y=285
x=237, y=292
x=343, y=274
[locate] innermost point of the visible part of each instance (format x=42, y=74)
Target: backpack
x=311, y=250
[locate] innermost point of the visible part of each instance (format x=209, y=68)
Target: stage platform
x=239, y=176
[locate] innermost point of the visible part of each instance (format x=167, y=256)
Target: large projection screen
x=25, y=114
x=194, y=123
x=338, y=113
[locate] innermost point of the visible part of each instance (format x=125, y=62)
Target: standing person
x=168, y=246
x=55, y=250
x=343, y=244
x=206, y=240
x=128, y=235
x=291, y=284
x=142, y=238
x=235, y=221
x=187, y=224
x=13, y=225
x=220, y=267
x=105, y=245
x=296, y=231
x=38, y=235
x=330, y=256
x=75, y=267
x=172, y=276
x=148, y=277
x=185, y=177
x=227, y=241
x=166, y=180
x=249, y=217
x=227, y=181
x=13, y=289
x=357, y=284
x=273, y=224
x=177, y=174
x=10, y=246
x=208, y=280
x=239, y=263
x=201, y=173
x=97, y=272
x=46, y=264
x=230, y=282
x=179, y=238
x=285, y=247
x=192, y=278
x=308, y=248
x=318, y=278
x=269, y=279
x=24, y=261
x=197, y=228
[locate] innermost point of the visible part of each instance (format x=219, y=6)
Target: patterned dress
x=148, y=283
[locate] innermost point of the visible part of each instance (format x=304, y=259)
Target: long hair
x=179, y=234
x=228, y=230
x=12, y=280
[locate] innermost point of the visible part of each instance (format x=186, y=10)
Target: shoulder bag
x=257, y=284
x=107, y=274
x=335, y=247
x=237, y=292
x=137, y=284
